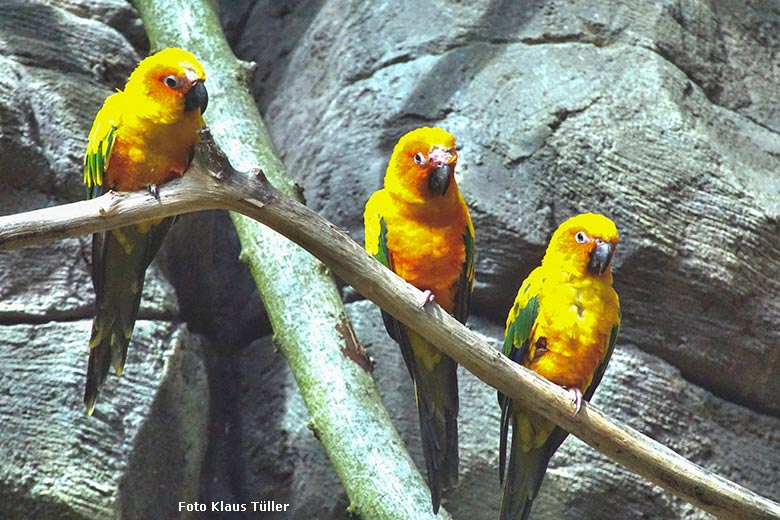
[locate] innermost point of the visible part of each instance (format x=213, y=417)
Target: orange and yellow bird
x=419, y=227
x=143, y=136
x=563, y=326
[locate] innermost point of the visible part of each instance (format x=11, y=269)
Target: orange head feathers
x=144, y=135
x=169, y=83
x=422, y=166
x=583, y=245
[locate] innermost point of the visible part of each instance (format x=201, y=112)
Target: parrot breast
x=429, y=257
x=572, y=335
x=147, y=153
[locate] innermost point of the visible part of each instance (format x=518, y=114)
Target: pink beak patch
x=440, y=156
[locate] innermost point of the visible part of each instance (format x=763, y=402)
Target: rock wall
x=662, y=115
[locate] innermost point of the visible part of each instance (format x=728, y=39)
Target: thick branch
x=623, y=444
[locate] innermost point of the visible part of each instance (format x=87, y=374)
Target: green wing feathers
x=383, y=254
x=378, y=227
x=524, y=313
x=466, y=281
x=519, y=329
x=101, y=142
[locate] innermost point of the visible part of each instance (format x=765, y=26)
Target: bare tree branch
x=254, y=197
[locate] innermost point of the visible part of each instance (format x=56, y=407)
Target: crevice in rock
x=557, y=39
x=563, y=114
x=756, y=122
x=691, y=376
x=18, y=318
x=405, y=57
x=712, y=93
x=559, y=117
x=463, y=43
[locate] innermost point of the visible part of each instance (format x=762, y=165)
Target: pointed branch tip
x=250, y=69
x=209, y=153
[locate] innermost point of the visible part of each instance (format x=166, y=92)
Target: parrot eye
x=171, y=81
x=581, y=238
x=420, y=159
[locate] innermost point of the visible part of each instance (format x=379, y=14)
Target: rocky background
x=662, y=115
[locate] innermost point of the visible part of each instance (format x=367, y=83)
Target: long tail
x=437, y=403
x=517, y=500
x=436, y=392
x=525, y=471
x=119, y=261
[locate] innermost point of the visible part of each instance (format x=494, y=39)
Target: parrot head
x=584, y=244
x=171, y=82
x=422, y=166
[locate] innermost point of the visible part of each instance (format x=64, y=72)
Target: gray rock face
x=140, y=453
x=662, y=115
x=624, y=108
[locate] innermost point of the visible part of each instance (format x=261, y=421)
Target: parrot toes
x=576, y=398
x=105, y=208
x=426, y=298
x=155, y=191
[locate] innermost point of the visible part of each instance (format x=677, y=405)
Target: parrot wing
x=518, y=332
x=376, y=244
x=100, y=144
x=465, y=284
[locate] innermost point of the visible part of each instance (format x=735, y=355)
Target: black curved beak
x=600, y=258
x=196, y=97
x=439, y=178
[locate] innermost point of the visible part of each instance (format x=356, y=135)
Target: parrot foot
x=576, y=398
x=427, y=298
x=155, y=191
x=105, y=208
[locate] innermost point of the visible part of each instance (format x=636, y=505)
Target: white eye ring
x=171, y=81
x=581, y=238
x=420, y=159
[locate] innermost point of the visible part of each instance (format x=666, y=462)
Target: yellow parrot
x=143, y=136
x=563, y=325
x=419, y=227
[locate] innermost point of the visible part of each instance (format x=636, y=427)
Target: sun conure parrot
x=563, y=326
x=141, y=137
x=419, y=227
